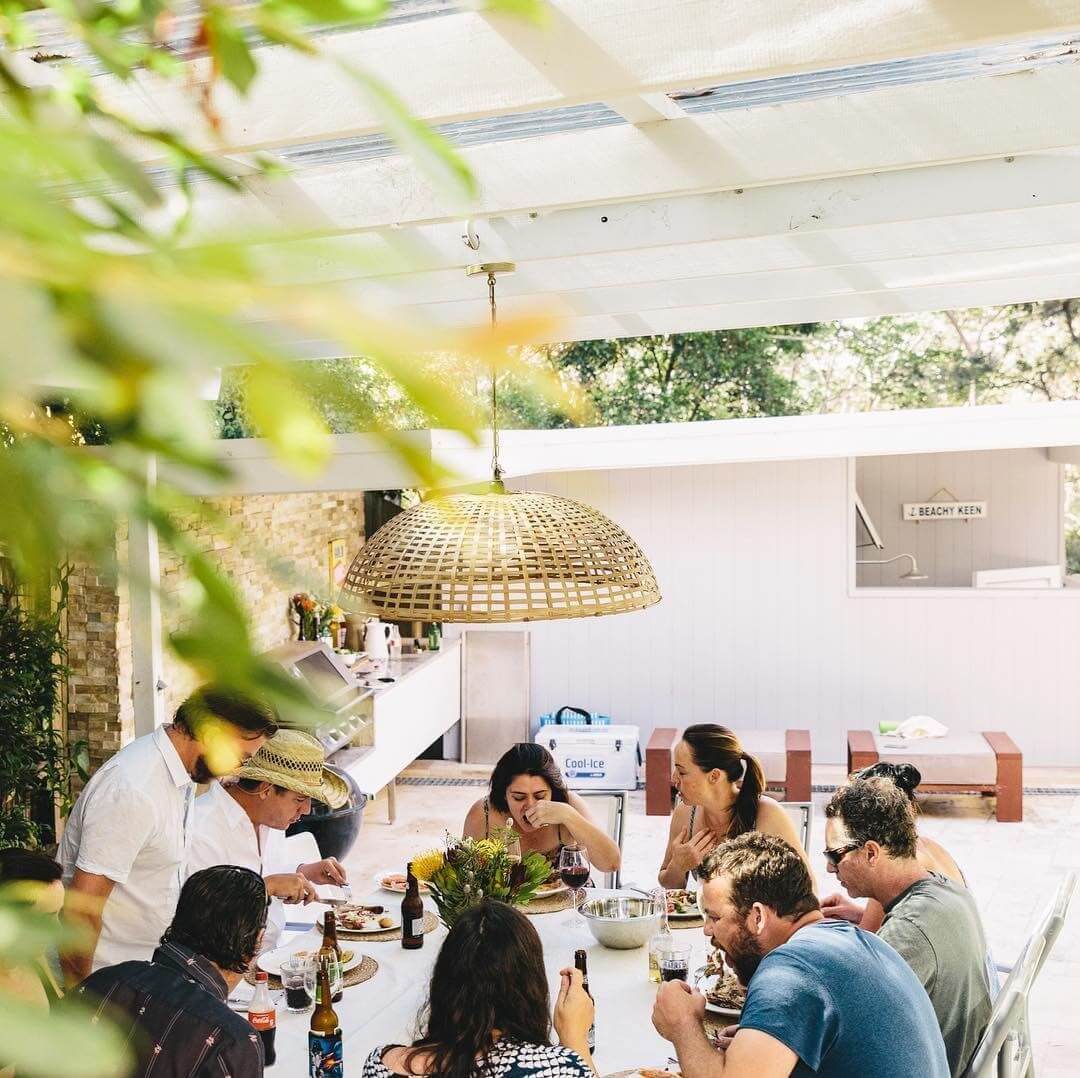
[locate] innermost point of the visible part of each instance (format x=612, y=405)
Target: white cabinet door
x=495, y=693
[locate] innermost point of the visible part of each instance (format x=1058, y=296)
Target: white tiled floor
x=1013, y=870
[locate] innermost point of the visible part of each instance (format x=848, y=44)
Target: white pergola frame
x=896, y=190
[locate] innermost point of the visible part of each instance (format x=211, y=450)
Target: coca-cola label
x=325, y=1055
x=263, y=1019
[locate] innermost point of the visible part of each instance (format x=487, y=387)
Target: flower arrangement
x=310, y=610
x=470, y=869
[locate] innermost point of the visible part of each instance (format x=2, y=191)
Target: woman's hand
x=549, y=812
x=573, y=1010
x=841, y=908
x=687, y=854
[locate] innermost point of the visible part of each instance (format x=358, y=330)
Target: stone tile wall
x=270, y=546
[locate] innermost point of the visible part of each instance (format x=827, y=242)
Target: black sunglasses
x=834, y=857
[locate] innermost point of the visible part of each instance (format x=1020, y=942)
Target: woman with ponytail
x=721, y=795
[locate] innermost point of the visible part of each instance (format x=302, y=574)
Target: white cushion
x=947, y=761
x=768, y=748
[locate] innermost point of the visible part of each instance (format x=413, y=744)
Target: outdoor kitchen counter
x=411, y=712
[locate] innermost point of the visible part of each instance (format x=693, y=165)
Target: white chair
x=611, y=808
x=1005, y=1048
x=802, y=816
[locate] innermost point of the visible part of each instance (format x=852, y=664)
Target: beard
x=744, y=956
x=201, y=772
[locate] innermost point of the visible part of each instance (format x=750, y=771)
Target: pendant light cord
x=496, y=468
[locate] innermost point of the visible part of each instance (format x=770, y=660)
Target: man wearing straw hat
x=243, y=821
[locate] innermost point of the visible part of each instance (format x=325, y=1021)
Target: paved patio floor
x=1012, y=868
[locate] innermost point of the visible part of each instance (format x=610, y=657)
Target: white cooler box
x=594, y=757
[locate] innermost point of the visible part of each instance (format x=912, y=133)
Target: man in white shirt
x=243, y=821
x=126, y=840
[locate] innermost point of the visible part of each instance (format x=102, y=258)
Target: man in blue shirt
x=823, y=997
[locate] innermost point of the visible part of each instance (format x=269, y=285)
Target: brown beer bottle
x=581, y=962
x=412, y=914
x=330, y=946
x=325, y=1049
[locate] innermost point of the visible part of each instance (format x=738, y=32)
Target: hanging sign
x=920, y=511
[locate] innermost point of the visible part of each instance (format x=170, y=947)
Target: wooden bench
x=989, y=763
x=784, y=756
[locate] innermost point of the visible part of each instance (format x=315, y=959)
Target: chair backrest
x=612, y=810
x=1005, y=1048
x=802, y=815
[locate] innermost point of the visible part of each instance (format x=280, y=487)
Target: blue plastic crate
x=574, y=716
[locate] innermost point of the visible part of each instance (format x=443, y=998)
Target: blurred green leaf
x=286, y=418
x=344, y=12
x=537, y=12
x=229, y=48
x=431, y=150
x=32, y=1040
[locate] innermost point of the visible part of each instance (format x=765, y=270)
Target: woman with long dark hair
x=528, y=792
x=721, y=795
x=488, y=1009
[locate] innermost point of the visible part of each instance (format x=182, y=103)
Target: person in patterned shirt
x=172, y=1009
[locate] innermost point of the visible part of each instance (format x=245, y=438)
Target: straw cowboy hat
x=297, y=762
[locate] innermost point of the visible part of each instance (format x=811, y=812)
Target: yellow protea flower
x=486, y=847
x=425, y=865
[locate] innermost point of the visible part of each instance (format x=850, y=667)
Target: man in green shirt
x=930, y=921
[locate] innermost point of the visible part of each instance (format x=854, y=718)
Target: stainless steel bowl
x=621, y=921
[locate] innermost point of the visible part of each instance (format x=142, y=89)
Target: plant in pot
x=36, y=764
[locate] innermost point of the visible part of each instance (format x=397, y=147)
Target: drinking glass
x=573, y=869
x=294, y=979
x=311, y=977
x=675, y=963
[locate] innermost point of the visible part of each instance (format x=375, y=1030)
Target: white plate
x=722, y=1012
x=396, y=889
x=270, y=961
x=365, y=931
x=689, y=915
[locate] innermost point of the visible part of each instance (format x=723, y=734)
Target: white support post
x=144, y=578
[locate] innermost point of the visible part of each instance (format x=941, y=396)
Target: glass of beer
x=675, y=963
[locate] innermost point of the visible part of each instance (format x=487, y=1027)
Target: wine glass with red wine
x=573, y=869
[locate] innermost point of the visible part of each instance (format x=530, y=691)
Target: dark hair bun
x=907, y=777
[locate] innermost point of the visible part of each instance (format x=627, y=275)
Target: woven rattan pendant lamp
x=493, y=555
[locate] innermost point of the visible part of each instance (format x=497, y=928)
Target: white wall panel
x=758, y=629
x=1024, y=527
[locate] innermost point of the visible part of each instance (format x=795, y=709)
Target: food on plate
x=682, y=903
x=395, y=881
x=346, y=956
x=550, y=887
x=648, y=1072
x=361, y=919
x=727, y=992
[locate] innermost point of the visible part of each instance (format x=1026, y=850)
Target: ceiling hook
x=469, y=237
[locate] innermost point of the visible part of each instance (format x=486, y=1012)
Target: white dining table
x=385, y=1009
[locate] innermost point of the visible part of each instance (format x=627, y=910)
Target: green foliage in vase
x=471, y=869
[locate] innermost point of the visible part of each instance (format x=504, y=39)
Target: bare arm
x=603, y=850
x=83, y=905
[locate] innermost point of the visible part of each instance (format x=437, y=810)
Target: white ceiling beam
x=968, y=206
x=897, y=128
x=735, y=285
x=591, y=50
x=777, y=310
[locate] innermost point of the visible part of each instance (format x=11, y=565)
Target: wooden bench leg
x=1010, y=776
x=391, y=801
x=797, y=751
x=861, y=750
x=659, y=763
